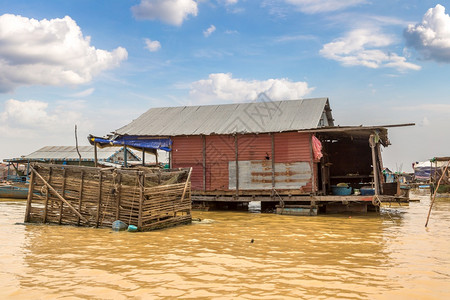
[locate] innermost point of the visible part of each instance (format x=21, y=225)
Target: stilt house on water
x=286, y=154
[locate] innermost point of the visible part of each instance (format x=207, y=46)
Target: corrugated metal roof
x=69, y=153
x=256, y=117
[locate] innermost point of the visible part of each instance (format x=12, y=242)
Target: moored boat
x=10, y=191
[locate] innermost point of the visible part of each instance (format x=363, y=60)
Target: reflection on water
x=373, y=256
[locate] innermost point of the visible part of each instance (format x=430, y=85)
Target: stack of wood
x=149, y=198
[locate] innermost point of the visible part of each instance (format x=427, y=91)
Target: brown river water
x=374, y=256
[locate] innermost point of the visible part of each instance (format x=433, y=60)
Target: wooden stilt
x=47, y=195
x=141, y=199
x=99, y=199
x=80, y=195
x=30, y=198
x=119, y=193
x=63, y=188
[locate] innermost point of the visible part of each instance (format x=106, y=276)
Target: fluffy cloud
x=209, y=31
x=319, y=6
x=172, y=12
x=152, y=46
x=431, y=38
x=221, y=87
x=49, y=52
x=365, y=47
x=32, y=118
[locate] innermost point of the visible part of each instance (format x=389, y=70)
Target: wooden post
x=47, y=195
x=119, y=192
x=80, y=195
x=156, y=157
x=313, y=175
x=204, y=162
x=61, y=209
x=30, y=197
x=125, y=156
x=58, y=195
x=236, y=157
x=435, y=191
x=95, y=155
x=186, y=185
x=141, y=199
x=143, y=156
x=99, y=200
x=374, y=164
x=273, y=161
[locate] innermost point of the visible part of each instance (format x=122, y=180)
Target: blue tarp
x=138, y=142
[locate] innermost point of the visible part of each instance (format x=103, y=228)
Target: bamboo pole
x=435, y=191
x=374, y=164
x=80, y=195
x=61, y=209
x=186, y=184
x=141, y=199
x=47, y=195
x=99, y=199
x=58, y=195
x=30, y=197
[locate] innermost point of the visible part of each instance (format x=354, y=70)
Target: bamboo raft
x=148, y=198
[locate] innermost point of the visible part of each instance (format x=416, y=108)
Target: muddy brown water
x=376, y=256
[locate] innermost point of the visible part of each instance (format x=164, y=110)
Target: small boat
x=10, y=191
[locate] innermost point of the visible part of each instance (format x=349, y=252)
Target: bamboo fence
x=148, y=198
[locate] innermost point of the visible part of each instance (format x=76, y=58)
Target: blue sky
x=100, y=64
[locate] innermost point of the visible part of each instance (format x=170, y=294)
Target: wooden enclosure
x=148, y=198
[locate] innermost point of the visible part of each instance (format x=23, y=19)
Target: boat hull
x=13, y=192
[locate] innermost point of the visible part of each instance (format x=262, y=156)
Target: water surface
x=349, y=256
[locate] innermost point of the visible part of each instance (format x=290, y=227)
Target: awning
x=136, y=142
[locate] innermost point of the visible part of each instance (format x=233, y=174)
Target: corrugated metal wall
x=290, y=147
x=188, y=152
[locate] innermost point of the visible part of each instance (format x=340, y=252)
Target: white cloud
x=172, y=12
x=209, y=31
x=49, y=52
x=221, y=87
x=229, y=2
x=431, y=38
x=33, y=118
x=365, y=47
x=319, y=6
x=152, y=46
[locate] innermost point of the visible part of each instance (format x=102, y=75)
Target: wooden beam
x=273, y=159
x=99, y=200
x=30, y=197
x=58, y=195
x=80, y=194
x=186, y=184
x=236, y=157
x=204, y=162
x=141, y=199
x=95, y=155
x=374, y=164
x=119, y=196
x=63, y=188
x=143, y=156
x=47, y=195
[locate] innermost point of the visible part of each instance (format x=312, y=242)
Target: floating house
x=287, y=154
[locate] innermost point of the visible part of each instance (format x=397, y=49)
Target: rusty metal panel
x=257, y=175
x=220, y=149
x=254, y=146
x=188, y=152
x=292, y=147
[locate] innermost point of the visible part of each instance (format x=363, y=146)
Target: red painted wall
x=188, y=152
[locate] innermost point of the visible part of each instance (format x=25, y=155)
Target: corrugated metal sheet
x=257, y=117
x=292, y=147
x=257, y=175
x=69, y=153
x=188, y=152
x=219, y=151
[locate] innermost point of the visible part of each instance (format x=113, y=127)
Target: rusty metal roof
x=256, y=117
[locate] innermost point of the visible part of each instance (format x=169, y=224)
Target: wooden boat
x=16, y=192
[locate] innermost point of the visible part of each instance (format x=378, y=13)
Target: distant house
x=69, y=155
x=270, y=151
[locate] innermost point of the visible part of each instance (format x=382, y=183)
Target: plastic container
x=367, y=191
x=341, y=190
x=119, y=225
x=132, y=228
